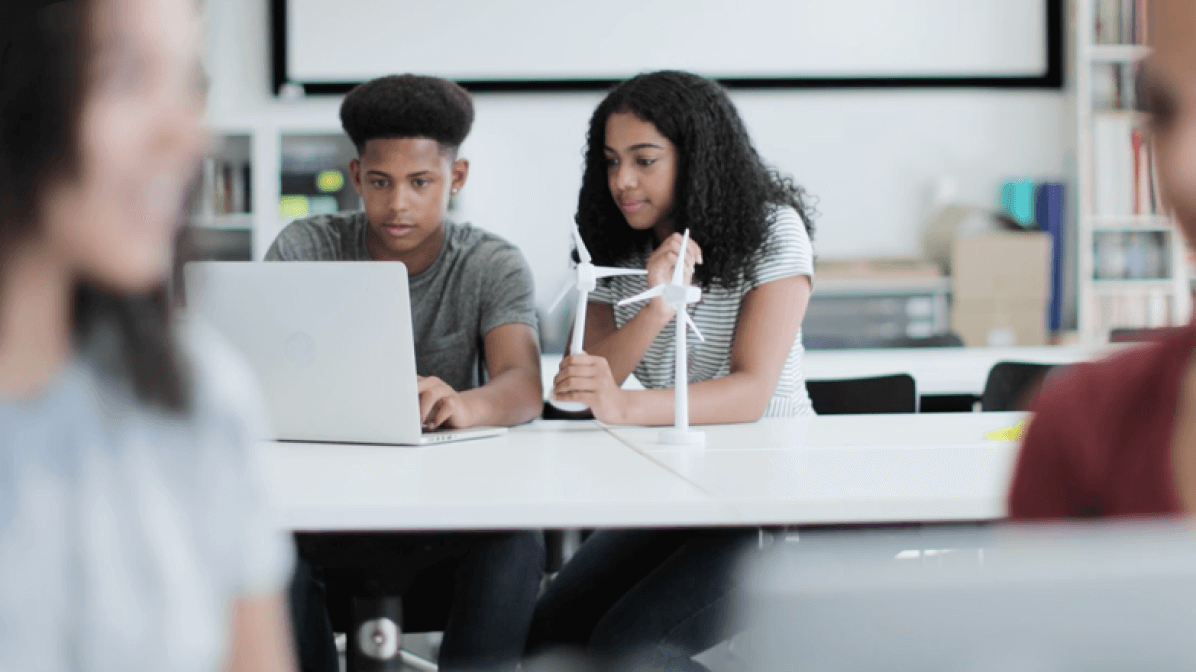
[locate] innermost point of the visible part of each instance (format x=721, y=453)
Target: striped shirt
x=786, y=253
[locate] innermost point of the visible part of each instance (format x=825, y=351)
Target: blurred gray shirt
x=126, y=533
x=478, y=282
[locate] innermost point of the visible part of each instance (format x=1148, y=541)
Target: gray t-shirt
x=477, y=283
x=127, y=533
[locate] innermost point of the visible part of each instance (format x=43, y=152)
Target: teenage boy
x=478, y=360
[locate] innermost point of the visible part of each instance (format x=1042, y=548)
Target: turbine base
x=676, y=437
x=569, y=406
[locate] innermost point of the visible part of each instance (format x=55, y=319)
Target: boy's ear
x=355, y=174
x=460, y=173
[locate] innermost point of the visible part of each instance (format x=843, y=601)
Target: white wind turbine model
x=585, y=282
x=678, y=295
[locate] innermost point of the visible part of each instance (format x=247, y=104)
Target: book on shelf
x=1105, y=92
x=227, y=188
x=1113, y=86
x=1121, y=21
x=1124, y=183
x=1131, y=255
x=1145, y=309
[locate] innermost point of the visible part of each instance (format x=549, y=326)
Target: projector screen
x=329, y=45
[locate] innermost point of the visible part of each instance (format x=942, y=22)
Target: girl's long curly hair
x=724, y=191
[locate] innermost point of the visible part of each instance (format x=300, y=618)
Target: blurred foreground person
x=132, y=533
x=1117, y=438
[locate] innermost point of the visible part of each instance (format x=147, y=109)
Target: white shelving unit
x=1175, y=289
x=265, y=141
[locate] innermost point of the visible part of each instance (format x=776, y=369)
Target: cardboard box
x=1001, y=288
x=999, y=322
x=1002, y=264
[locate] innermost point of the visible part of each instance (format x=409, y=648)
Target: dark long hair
x=44, y=47
x=723, y=193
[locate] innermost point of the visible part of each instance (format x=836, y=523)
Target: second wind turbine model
x=678, y=295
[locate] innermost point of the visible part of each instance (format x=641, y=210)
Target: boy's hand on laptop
x=587, y=378
x=442, y=406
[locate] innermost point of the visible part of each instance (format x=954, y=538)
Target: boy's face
x=406, y=184
x=1172, y=70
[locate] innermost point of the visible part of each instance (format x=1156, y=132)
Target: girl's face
x=140, y=138
x=641, y=170
x=1173, y=75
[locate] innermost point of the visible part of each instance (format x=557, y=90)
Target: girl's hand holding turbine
x=664, y=258
x=587, y=379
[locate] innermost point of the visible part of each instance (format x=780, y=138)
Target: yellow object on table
x=1014, y=433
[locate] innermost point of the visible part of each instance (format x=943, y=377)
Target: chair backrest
x=1141, y=335
x=1013, y=386
x=882, y=394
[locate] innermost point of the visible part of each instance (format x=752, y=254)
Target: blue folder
x=1050, y=214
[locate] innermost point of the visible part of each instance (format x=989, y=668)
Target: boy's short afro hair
x=408, y=106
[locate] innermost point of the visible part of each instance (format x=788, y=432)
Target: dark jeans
x=479, y=588
x=643, y=599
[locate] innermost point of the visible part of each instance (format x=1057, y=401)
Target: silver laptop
x=331, y=343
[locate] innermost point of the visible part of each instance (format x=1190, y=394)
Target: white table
x=827, y=470
x=550, y=474
x=845, y=469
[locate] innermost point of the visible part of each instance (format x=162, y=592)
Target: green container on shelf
x=1017, y=201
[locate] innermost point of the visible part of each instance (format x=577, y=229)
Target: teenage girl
x=667, y=152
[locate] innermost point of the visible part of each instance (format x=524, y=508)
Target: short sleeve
x=276, y=253
x=294, y=243
x=787, y=251
x=509, y=294
x=1047, y=476
x=258, y=553
x=320, y=238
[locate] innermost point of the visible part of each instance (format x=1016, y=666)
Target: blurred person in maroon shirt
x=1117, y=438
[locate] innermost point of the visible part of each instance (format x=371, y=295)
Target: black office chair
x=1013, y=386
x=1142, y=335
x=882, y=394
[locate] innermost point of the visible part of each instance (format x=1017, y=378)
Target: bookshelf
x=1131, y=261
x=225, y=200
x=286, y=154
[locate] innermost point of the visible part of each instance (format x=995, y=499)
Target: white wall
x=869, y=156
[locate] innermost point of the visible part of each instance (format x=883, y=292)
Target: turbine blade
x=656, y=291
x=561, y=297
x=582, y=252
x=603, y=272
x=677, y=270
x=690, y=321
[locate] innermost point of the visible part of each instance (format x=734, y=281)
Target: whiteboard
x=328, y=41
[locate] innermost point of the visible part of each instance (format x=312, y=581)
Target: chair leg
x=375, y=638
